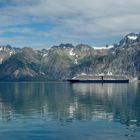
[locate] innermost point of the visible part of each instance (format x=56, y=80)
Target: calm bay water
x=64, y=111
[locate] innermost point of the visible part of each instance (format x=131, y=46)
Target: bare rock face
x=66, y=61
x=6, y=52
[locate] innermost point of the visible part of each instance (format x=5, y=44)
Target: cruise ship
x=101, y=78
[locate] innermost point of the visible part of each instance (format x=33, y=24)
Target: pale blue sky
x=43, y=23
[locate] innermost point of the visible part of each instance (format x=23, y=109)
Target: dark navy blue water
x=64, y=111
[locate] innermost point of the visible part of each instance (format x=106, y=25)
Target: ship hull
x=97, y=81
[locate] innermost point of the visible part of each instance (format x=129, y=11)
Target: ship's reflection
x=68, y=102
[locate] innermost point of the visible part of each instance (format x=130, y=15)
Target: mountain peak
x=66, y=60
x=132, y=36
x=63, y=46
x=130, y=39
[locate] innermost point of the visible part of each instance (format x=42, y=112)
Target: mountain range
x=67, y=60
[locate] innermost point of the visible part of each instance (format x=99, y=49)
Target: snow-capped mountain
x=130, y=39
x=6, y=52
x=66, y=60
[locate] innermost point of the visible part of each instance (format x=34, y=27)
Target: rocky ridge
x=66, y=61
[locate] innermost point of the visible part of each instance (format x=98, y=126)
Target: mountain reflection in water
x=67, y=103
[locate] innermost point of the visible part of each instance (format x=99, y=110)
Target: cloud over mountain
x=57, y=21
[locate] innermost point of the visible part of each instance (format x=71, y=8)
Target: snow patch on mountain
x=71, y=52
x=10, y=53
x=132, y=37
x=45, y=54
x=76, y=61
x=105, y=47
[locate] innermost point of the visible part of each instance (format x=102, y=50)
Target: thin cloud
x=70, y=20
